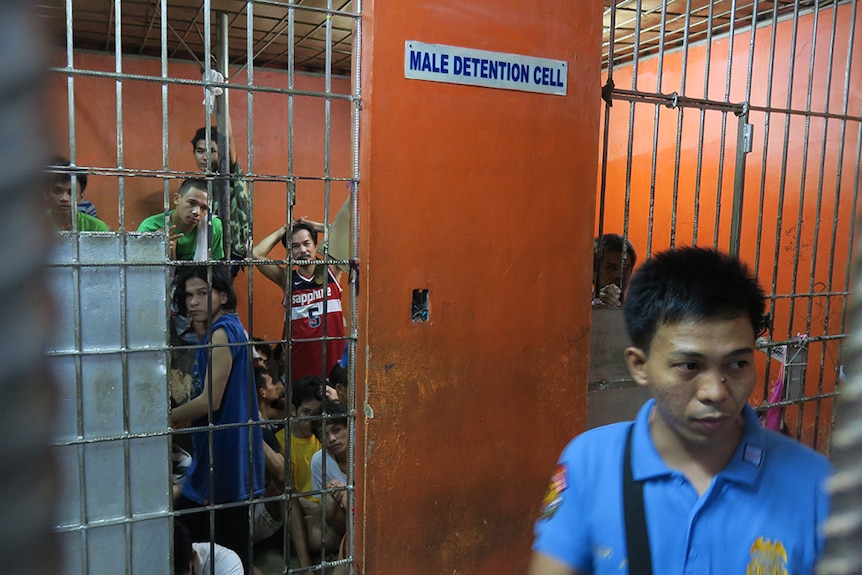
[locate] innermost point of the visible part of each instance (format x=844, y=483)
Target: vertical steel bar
x=118, y=63
x=118, y=60
x=803, y=183
x=607, y=94
x=163, y=62
x=701, y=130
x=207, y=13
x=354, y=229
x=723, y=146
x=679, y=123
x=765, y=158
x=632, y=107
x=76, y=311
x=743, y=139
x=842, y=141
x=224, y=168
x=782, y=181
x=327, y=175
x=655, y=136
x=821, y=176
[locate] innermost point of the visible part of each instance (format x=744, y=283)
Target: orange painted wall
x=95, y=115
x=485, y=198
x=783, y=252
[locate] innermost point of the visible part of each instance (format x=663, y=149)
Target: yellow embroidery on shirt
x=767, y=558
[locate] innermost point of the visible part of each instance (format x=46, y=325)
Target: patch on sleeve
x=554, y=496
x=767, y=557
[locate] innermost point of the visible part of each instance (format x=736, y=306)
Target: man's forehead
x=203, y=143
x=196, y=195
x=311, y=404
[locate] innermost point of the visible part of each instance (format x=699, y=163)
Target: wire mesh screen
x=188, y=133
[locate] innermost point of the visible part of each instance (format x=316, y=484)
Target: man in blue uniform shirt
x=695, y=485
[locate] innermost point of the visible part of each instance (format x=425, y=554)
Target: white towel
x=201, y=246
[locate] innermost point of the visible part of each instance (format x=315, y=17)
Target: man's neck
x=307, y=271
x=699, y=463
x=61, y=221
x=342, y=462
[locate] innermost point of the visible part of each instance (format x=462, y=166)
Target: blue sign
x=454, y=65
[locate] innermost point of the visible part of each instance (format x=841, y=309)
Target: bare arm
x=221, y=363
x=231, y=143
x=299, y=532
x=544, y=565
x=336, y=506
x=274, y=463
x=273, y=272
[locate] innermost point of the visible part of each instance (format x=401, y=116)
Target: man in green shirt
x=192, y=209
x=58, y=198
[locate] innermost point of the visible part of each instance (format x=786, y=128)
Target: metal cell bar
x=630, y=144
x=839, y=173
x=607, y=97
x=79, y=408
x=817, y=222
x=166, y=190
x=802, y=196
x=655, y=140
x=743, y=147
x=202, y=83
x=118, y=68
x=782, y=184
x=124, y=379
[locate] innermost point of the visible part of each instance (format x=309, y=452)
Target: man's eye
x=686, y=366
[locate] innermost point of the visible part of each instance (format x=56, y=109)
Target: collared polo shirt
x=762, y=514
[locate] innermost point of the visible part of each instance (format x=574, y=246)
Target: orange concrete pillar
x=485, y=197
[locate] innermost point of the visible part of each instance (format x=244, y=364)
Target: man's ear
x=636, y=360
x=177, y=199
x=292, y=410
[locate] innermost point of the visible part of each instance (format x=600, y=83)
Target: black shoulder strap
x=637, y=537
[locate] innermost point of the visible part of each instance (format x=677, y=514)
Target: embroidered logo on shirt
x=554, y=496
x=767, y=558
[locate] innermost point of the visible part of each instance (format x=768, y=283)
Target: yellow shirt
x=301, y=451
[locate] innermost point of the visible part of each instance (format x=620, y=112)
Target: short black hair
x=193, y=183
x=59, y=161
x=690, y=284
x=221, y=281
x=307, y=388
x=612, y=243
x=262, y=348
x=338, y=375
x=201, y=134
x=183, y=551
x=297, y=226
x=260, y=374
x=337, y=415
